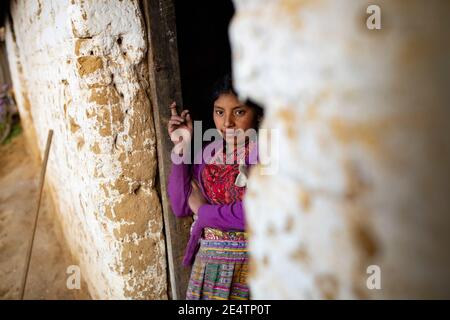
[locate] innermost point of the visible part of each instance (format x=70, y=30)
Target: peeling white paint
x=364, y=152
x=86, y=162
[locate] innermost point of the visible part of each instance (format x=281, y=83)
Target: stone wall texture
x=363, y=122
x=79, y=68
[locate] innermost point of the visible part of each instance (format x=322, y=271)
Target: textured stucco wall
x=362, y=118
x=79, y=68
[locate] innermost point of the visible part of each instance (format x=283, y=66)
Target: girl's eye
x=240, y=112
x=219, y=112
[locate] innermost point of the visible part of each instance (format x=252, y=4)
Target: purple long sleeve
x=226, y=217
x=179, y=189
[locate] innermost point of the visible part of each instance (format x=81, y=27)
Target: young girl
x=213, y=192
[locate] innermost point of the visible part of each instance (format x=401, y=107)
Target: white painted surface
x=363, y=120
x=73, y=70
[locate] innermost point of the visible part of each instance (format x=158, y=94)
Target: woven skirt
x=220, y=268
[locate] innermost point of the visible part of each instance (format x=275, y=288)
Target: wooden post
x=166, y=87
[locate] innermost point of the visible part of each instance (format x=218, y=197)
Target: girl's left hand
x=196, y=199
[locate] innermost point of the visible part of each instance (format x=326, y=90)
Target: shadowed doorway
x=204, y=52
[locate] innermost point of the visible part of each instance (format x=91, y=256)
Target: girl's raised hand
x=182, y=121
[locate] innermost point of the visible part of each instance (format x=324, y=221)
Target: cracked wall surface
x=362, y=117
x=79, y=68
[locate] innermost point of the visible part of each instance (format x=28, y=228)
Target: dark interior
x=204, y=52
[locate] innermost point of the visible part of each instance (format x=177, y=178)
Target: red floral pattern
x=219, y=181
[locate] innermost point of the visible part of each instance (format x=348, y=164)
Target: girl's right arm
x=179, y=186
x=179, y=189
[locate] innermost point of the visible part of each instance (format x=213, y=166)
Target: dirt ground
x=47, y=277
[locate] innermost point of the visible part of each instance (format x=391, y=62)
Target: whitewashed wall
x=79, y=68
x=363, y=121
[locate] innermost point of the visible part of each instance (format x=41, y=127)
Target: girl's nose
x=229, y=123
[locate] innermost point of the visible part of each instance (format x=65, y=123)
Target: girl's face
x=230, y=115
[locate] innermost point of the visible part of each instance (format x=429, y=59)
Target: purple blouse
x=225, y=217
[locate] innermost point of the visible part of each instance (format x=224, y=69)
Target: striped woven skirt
x=220, y=268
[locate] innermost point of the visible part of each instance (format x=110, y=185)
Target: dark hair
x=225, y=86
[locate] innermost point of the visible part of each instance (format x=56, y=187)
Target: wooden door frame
x=165, y=87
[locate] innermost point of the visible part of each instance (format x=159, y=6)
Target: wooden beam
x=165, y=87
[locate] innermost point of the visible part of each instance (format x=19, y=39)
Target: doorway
x=188, y=51
x=204, y=52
